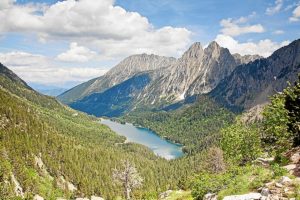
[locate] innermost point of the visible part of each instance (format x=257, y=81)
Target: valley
x=46, y=144
x=156, y=115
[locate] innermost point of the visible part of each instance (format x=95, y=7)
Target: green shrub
x=278, y=171
x=241, y=143
x=208, y=183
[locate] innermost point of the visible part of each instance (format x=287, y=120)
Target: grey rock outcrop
x=38, y=197
x=250, y=196
x=96, y=198
x=210, y=196
x=17, y=187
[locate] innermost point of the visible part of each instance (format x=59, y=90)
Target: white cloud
x=263, y=47
x=76, y=54
x=40, y=69
x=275, y=9
x=6, y=3
x=99, y=25
x=278, y=32
x=296, y=15
x=236, y=27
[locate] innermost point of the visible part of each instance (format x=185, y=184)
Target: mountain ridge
x=126, y=69
x=197, y=71
x=251, y=84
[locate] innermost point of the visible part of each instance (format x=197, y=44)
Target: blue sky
x=68, y=42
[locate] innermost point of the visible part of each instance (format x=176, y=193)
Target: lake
x=146, y=137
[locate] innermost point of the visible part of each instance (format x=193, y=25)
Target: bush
x=241, y=143
x=208, y=183
x=278, y=171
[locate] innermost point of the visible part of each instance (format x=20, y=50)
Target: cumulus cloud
x=40, y=69
x=296, y=15
x=92, y=22
x=263, y=47
x=276, y=8
x=237, y=27
x=76, y=54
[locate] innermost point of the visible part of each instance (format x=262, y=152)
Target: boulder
x=210, y=196
x=279, y=185
x=96, y=198
x=65, y=185
x=165, y=194
x=285, y=180
x=265, y=192
x=290, y=167
x=250, y=196
x=295, y=158
x=37, y=197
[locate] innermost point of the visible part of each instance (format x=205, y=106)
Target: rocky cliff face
x=251, y=84
x=198, y=71
x=126, y=69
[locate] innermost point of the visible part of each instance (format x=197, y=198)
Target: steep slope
x=253, y=83
x=116, y=100
x=4, y=71
x=121, y=72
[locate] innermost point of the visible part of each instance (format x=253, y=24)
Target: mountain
x=121, y=72
x=47, y=89
x=198, y=71
x=252, y=84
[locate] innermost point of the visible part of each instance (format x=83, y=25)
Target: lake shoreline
x=148, y=128
x=160, y=145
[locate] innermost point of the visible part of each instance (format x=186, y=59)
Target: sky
x=63, y=43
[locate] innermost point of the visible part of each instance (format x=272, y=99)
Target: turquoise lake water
x=158, y=145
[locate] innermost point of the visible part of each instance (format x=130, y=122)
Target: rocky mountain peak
x=214, y=50
x=213, y=45
x=195, y=51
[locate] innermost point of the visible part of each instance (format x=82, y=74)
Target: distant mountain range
x=48, y=89
x=150, y=81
